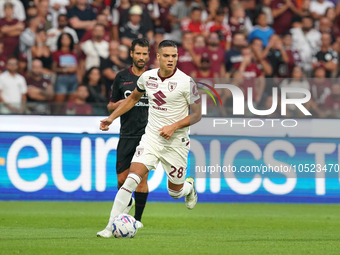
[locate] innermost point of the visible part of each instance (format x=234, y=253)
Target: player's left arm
x=194, y=117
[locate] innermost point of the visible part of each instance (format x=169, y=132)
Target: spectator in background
x=96, y=48
x=210, y=12
x=275, y=53
x=251, y=75
x=326, y=56
x=124, y=57
x=57, y=8
x=27, y=37
x=188, y=58
x=116, y=14
x=222, y=29
x=18, y=9
x=283, y=12
x=332, y=102
x=81, y=18
x=297, y=81
x=78, y=105
x=3, y=58
x=31, y=11
x=205, y=71
x=93, y=81
x=260, y=60
x=65, y=65
x=13, y=89
x=264, y=6
x=54, y=33
x=102, y=20
x=261, y=30
x=134, y=28
x=325, y=26
x=285, y=68
x=145, y=18
x=239, y=21
x=306, y=40
x=234, y=56
x=39, y=90
x=42, y=52
x=162, y=10
x=97, y=6
x=215, y=53
x=23, y=65
x=111, y=66
x=44, y=17
x=320, y=85
x=318, y=8
x=194, y=24
x=179, y=12
x=10, y=29
x=199, y=42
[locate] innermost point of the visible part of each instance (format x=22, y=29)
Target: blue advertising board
x=80, y=167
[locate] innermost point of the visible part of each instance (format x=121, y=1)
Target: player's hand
x=104, y=124
x=167, y=131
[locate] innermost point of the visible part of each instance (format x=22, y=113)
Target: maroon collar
x=130, y=70
x=163, y=78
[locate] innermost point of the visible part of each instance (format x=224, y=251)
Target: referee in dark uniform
x=133, y=122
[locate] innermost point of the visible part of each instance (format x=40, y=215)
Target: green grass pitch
x=70, y=228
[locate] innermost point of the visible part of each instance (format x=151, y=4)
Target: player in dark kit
x=132, y=123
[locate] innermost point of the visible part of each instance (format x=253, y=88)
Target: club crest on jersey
x=151, y=84
x=172, y=85
x=139, y=151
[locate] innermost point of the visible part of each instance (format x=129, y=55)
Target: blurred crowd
x=62, y=56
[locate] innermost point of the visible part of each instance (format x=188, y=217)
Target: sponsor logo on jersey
x=151, y=84
x=152, y=78
x=172, y=85
x=139, y=151
x=127, y=82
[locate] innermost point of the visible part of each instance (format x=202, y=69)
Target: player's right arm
x=113, y=105
x=124, y=107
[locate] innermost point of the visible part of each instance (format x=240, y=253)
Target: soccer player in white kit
x=166, y=140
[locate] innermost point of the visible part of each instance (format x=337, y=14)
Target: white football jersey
x=169, y=100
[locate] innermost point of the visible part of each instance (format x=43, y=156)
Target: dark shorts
x=125, y=151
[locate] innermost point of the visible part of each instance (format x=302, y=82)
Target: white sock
x=124, y=195
x=184, y=191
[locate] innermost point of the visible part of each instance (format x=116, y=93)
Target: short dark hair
x=142, y=42
x=59, y=41
x=167, y=43
x=12, y=57
x=307, y=17
x=100, y=25
x=62, y=15
x=196, y=9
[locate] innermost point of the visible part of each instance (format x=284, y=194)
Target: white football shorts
x=174, y=159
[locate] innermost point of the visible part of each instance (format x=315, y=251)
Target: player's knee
x=176, y=194
x=121, y=179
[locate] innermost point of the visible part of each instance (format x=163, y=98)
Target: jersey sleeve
x=115, y=91
x=192, y=96
x=141, y=84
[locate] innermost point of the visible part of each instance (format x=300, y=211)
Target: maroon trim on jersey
x=130, y=70
x=112, y=101
x=163, y=78
x=198, y=101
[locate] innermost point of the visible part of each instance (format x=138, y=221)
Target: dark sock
x=140, y=204
x=130, y=201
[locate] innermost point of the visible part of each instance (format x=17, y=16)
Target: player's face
x=167, y=57
x=140, y=56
